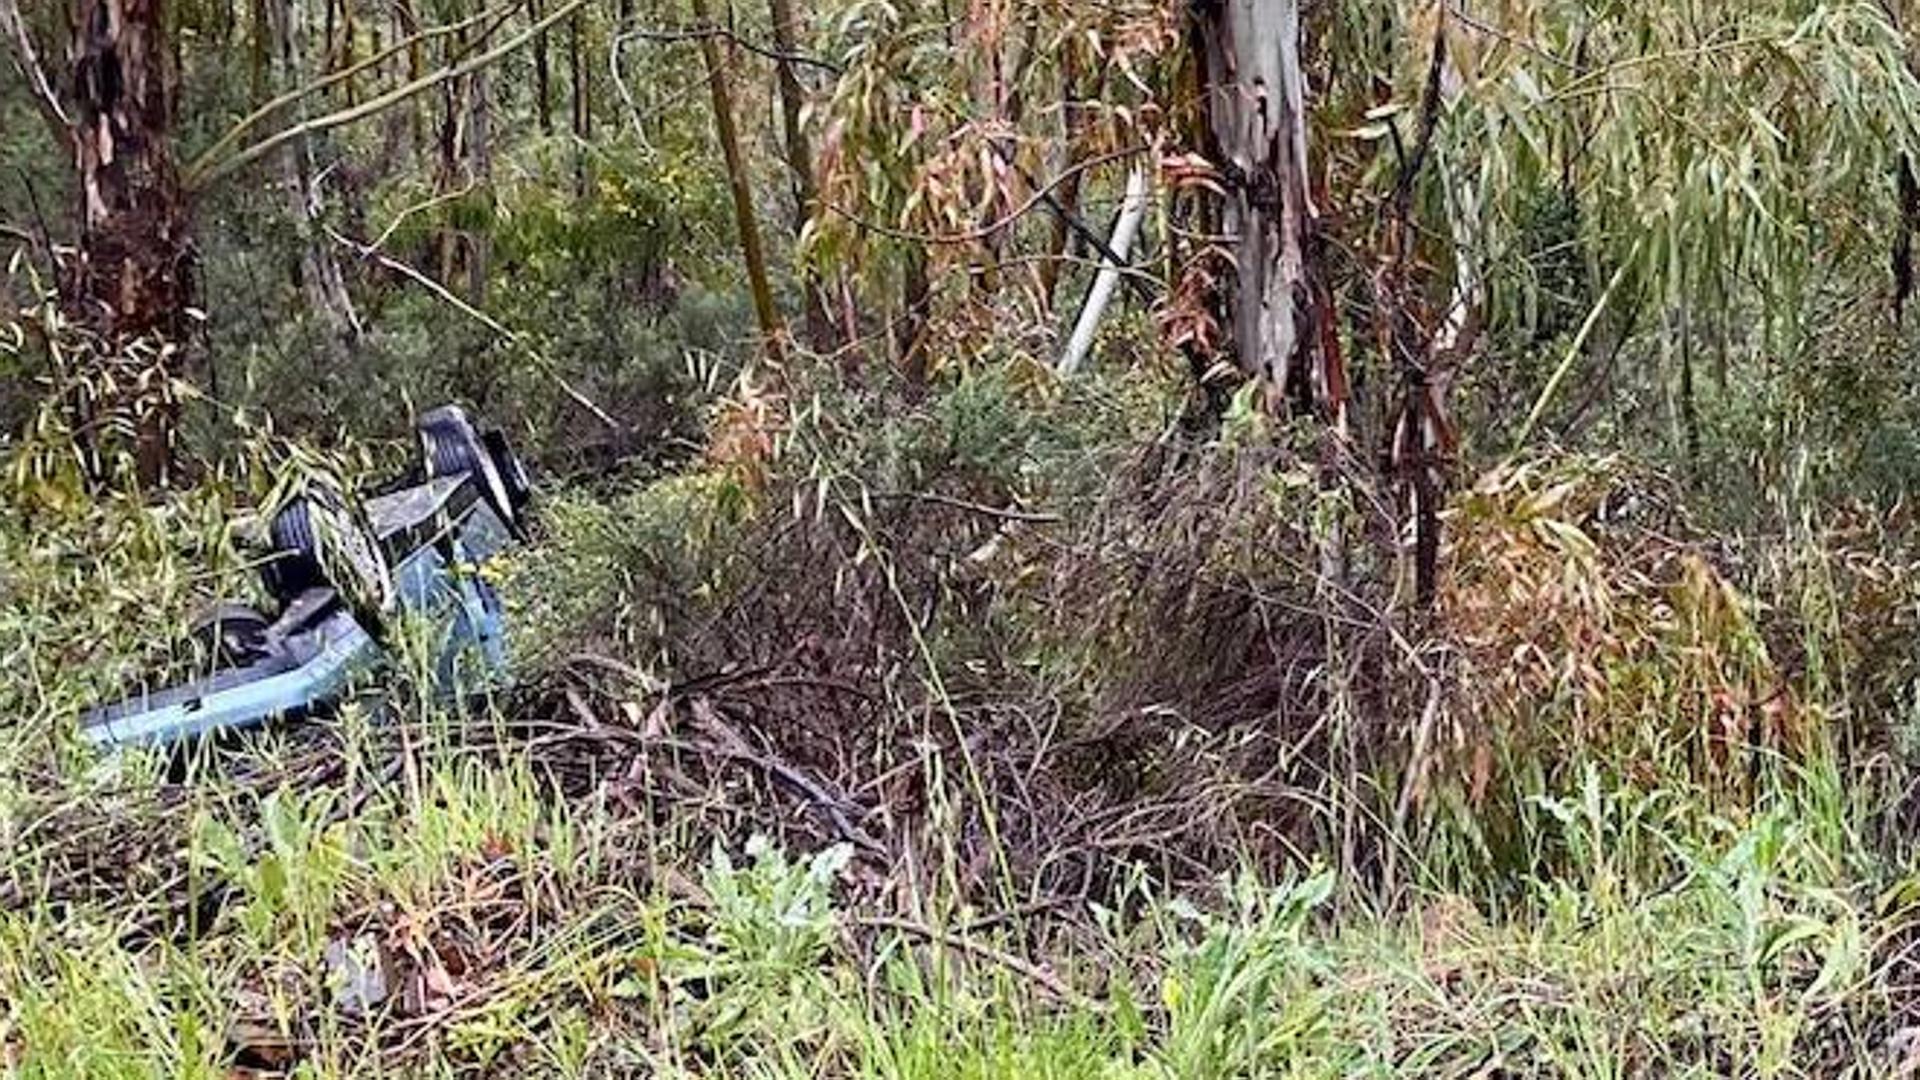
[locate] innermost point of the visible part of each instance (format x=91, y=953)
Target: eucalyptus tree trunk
x=134, y=275
x=1278, y=312
x=480, y=172
x=407, y=26
x=542, y=81
x=321, y=282
x=806, y=198
x=258, y=49
x=582, y=101
x=737, y=183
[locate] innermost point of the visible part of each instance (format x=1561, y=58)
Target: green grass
x=522, y=935
x=447, y=895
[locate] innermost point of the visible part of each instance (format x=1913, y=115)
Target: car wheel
x=453, y=445
x=318, y=541
x=229, y=635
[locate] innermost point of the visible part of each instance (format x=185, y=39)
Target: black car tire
x=318, y=541
x=513, y=472
x=453, y=445
x=230, y=635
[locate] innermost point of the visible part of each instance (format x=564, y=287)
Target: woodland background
x=1458, y=615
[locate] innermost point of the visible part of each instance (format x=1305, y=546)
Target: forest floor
x=810, y=777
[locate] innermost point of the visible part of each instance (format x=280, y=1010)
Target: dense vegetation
x=1458, y=613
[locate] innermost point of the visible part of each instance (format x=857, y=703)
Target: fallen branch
x=804, y=785
x=1133, y=210
x=1573, y=354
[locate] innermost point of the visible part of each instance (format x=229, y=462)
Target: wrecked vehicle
x=349, y=582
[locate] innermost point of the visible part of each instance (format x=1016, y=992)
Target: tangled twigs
x=833, y=808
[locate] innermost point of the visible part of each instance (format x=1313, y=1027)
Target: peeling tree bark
x=1278, y=310
x=134, y=275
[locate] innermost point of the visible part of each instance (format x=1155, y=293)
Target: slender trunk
x=1072, y=123
x=480, y=173
x=542, y=89
x=1689, y=409
x=1907, y=185
x=134, y=277
x=1909, y=205
x=1005, y=103
x=408, y=22
x=346, y=49
x=257, y=51
x=322, y=284
x=582, y=104
x=451, y=142
x=743, y=213
x=916, y=316
x=793, y=100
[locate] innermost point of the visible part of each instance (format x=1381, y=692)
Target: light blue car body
x=440, y=534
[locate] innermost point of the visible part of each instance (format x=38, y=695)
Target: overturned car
x=345, y=577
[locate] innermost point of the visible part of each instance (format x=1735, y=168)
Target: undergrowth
x=1009, y=733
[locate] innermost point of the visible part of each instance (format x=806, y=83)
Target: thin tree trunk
x=737, y=183
x=345, y=59
x=1689, y=408
x=793, y=100
x=134, y=277
x=451, y=143
x=258, y=50
x=1908, y=187
x=915, y=317
x=321, y=281
x=409, y=26
x=480, y=173
x=1072, y=124
x=582, y=104
x=542, y=88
